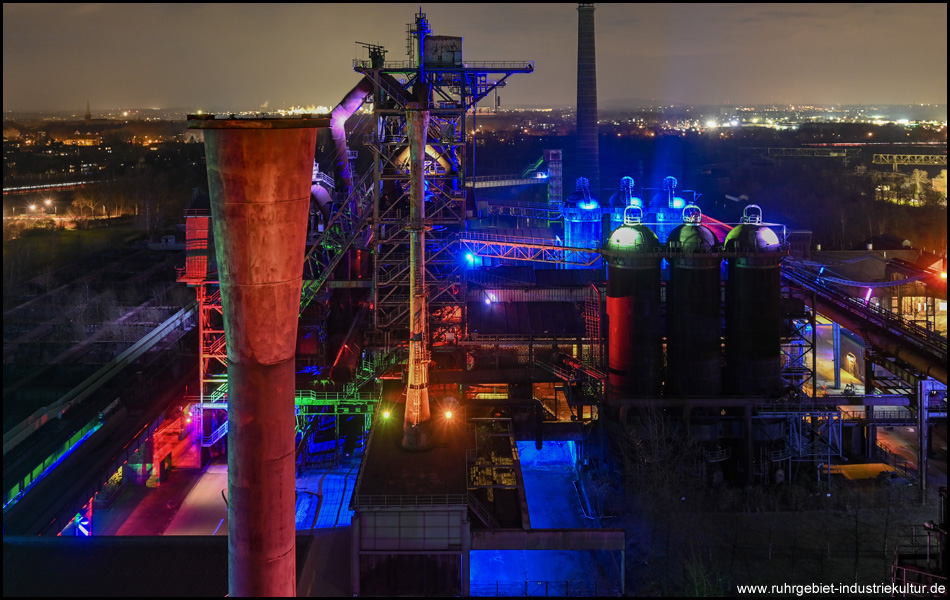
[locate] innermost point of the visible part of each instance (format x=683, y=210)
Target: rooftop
x=397, y=474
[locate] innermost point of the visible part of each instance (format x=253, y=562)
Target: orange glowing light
x=448, y=414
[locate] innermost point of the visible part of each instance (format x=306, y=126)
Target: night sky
x=252, y=57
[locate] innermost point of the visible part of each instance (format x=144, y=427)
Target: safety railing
x=576, y=588
x=217, y=434
x=490, y=65
x=879, y=416
x=397, y=501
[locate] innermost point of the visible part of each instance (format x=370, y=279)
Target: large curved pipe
x=900, y=351
x=323, y=199
x=338, y=117
x=415, y=434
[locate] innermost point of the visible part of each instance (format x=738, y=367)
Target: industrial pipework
x=583, y=219
x=259, y=174
x=417, y=394
x=338, y=117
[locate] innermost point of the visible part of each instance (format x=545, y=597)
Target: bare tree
x=921, y=182
x=83, y=202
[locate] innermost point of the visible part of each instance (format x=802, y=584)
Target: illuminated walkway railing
x=52, y=461
x=489, y=181
x=489, y=245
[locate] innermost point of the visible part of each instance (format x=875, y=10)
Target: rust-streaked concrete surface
x=259, y=175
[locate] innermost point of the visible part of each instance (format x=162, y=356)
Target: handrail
x=502, y=65
x=392, y=500
x=877, y=415
x=216, y=435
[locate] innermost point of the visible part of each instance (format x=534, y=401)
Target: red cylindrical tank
x=633, y=310
x=259, y=173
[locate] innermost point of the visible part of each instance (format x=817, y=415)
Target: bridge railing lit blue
x=490, y=245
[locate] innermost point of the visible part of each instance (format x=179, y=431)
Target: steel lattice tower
x=436, y=76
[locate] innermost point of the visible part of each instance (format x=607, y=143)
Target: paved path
x=204, y=511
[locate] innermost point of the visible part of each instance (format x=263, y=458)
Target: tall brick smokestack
x=588, y=144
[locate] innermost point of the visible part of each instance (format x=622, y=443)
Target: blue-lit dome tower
x=619, y=202
x=666, y=210
x=582, y=219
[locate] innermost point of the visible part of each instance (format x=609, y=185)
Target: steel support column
x=923, y=434
x=836, y=349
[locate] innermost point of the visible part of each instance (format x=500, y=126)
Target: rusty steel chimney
x=416, y=421
x=588, y=144
x=259, y=173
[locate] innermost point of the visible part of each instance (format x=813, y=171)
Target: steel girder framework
x=909, y=159
x=886, y=332
x=346, y=230
x=200, y=272
x=799, y=358
x=531, y=249
x=455, y=90
x=845, y=153
x=213, y=352
x=813, y=435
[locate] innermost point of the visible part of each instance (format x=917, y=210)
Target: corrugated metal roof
x=529, y=276
x=525, y=318
x=504, y=276
x=569, y=277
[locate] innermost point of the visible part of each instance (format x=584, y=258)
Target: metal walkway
x=886, y=331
